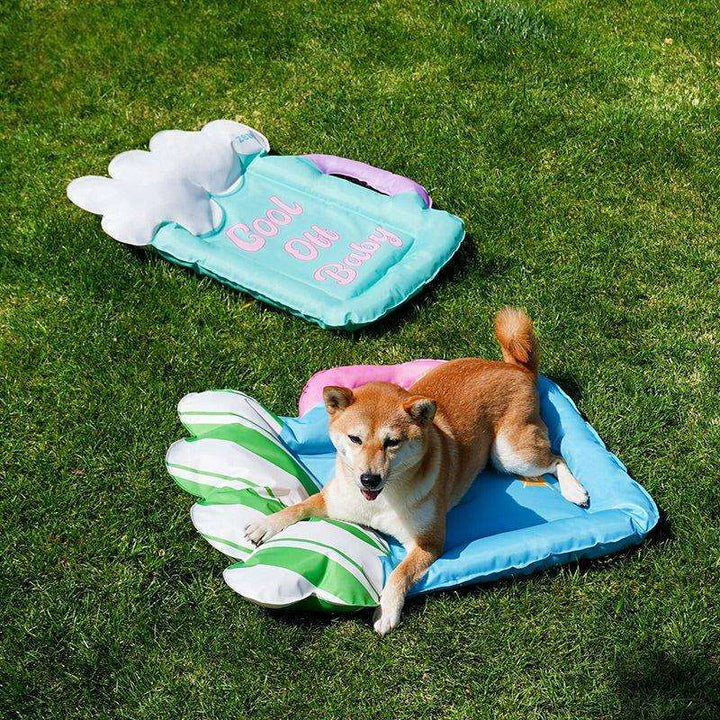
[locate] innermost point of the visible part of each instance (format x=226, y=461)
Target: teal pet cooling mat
x=294, y=231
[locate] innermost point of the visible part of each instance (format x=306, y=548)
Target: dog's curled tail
x=516, y=335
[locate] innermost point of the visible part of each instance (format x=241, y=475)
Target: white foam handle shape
x=173, y=181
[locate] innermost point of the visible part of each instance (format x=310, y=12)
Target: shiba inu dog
x=406, y=457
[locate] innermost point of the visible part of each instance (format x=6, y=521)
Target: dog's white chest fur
x=388, y=513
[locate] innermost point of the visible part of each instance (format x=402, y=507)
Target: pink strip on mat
x=352, y=376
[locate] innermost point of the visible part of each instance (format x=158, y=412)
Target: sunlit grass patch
x=580, y=148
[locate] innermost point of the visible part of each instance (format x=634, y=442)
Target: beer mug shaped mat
x=293, y=231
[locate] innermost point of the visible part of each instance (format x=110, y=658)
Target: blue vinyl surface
x=505, y=526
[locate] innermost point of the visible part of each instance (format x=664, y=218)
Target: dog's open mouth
x=370, y=494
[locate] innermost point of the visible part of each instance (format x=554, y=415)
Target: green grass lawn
x=579, y=141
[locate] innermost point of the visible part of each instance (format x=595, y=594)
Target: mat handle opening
x=378, y=179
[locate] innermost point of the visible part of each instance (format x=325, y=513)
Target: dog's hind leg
x=570, y=486
x=528, y=454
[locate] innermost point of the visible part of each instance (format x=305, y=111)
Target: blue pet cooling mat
x=242, y=462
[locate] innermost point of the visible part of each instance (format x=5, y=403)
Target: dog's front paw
x=384, y=622
x=261, y=530
x=387, y=616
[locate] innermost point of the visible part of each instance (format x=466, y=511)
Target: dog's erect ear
x=420, y=409
x=337, y=398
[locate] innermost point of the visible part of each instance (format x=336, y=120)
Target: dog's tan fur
x=448, y=424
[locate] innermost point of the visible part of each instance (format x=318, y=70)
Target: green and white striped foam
x=239, y=468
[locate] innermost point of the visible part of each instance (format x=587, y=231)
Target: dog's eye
x=392, y=442
x=355, y=439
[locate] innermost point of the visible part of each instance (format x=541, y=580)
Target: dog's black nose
x=370, y=481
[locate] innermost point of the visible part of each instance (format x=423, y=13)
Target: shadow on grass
x=651, y=684
x=456, y=269
x=465, y=260
x=595, y=565
x=319, y=620
x=571, y=387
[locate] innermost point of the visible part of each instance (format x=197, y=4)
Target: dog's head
x=379, y=431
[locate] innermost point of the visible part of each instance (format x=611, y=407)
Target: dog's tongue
x=370, y=494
